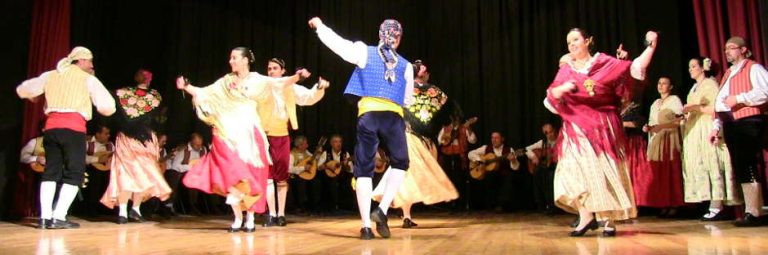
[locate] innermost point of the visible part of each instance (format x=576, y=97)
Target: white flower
x=149, y=97
x=120, y=92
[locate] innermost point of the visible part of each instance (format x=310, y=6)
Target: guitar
x=447, y=138
x=333, y=168
x=545, y=159
x=106, y=165
x=489, y=163
x=37, y=167
x=310, y=173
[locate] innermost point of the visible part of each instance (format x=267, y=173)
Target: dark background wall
x=496, y=58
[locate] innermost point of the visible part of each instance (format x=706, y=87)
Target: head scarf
x=389, y=31
x=77, y=53
x=147, y=76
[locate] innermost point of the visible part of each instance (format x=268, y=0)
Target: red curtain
x=49, y=42
x=718, y=20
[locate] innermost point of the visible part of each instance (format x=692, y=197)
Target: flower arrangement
x=137, y=102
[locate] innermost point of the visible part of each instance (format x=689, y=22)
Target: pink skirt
x=135, y=169
x=221, y=169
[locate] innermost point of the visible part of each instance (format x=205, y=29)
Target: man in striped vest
x=743, y=92
x=69, y=91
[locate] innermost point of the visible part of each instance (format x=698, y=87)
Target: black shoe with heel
x=592, y=225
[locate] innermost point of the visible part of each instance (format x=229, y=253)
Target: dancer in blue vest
x=381, y=85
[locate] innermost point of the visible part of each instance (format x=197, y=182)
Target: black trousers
x=744, y=140
x=173, y=178
x=325, y=192
x=64, y=156
x=298, y=194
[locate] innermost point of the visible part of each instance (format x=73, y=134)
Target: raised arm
x=352, y=52
x=640, y=64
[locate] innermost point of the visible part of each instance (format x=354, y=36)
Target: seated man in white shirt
x=98, y=156
x=33, y=153
x=299, y=196
x=183, y=157
x=328, y=185
x=497, y=186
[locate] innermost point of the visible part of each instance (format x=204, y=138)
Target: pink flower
x=233, y=85
x=155, y=103
x=132, y=101
x=120, y=92
x=431, y=92
x=149, y=97
x=132, y=112
x=141, y=103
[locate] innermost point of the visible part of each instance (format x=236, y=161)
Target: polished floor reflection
x=436, y=234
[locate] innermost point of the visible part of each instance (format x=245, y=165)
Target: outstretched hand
x=303, y=73
x=181, y=82
x=322, y=83
x=621, y=53
x=652, y=38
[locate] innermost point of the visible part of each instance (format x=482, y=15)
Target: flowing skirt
x=597, y=181
x=135, y=169
x=222, y=169
x=425, y=181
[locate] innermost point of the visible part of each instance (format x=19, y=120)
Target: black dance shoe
x=380, y=218
x=63, y=224
x=592, y=225
x=281, y=221
x=44, y=224
x=366, y=233
x=408, y=223
x=749, y=220
x=269, y=221
x=133, y=216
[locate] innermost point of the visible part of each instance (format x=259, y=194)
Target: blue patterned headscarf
x=389, y=30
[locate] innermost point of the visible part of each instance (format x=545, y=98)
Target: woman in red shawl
x=591, y=177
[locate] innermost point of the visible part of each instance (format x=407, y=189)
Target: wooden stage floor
x=522, y=233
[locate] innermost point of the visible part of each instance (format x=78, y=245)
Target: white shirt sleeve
x=636, y=70
x=408, y=99
x=350, y=164
x=321, y=160
x=104, y=102
x=440, y=137
x=759, y=93
x=471, y=137
x=306, y=96
x=514, y=164
x=529, y=150
x=176, y=159
x=292, y=164
x=476, y=154
x=27, y=152
x=355, y=53
x=32, y=87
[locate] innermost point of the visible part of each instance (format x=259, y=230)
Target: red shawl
x=593, y=113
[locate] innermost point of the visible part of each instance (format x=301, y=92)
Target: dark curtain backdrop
x=495, y=58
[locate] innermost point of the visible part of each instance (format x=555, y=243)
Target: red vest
x=740, y=83
x=91, y=149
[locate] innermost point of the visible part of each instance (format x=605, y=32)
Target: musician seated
x=495, y=189
x=98, y=158
x=183, y=157
x=33, y=154
x=298, y=195
x=332, y=165
x=542, y=165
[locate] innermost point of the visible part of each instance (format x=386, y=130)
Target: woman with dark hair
x=135, y=174
x=707, y=171
x=237, y=165
x=591, y=178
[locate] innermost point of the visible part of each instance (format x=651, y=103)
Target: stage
x=481, y=233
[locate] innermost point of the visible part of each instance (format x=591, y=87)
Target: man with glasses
x=738, y=107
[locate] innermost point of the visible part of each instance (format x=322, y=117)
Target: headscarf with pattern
x=389, y=31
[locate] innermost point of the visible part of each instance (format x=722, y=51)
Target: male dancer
x=277, y=112
x=69, y=91
x=381, y=85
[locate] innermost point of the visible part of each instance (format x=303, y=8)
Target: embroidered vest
x=370, y=82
